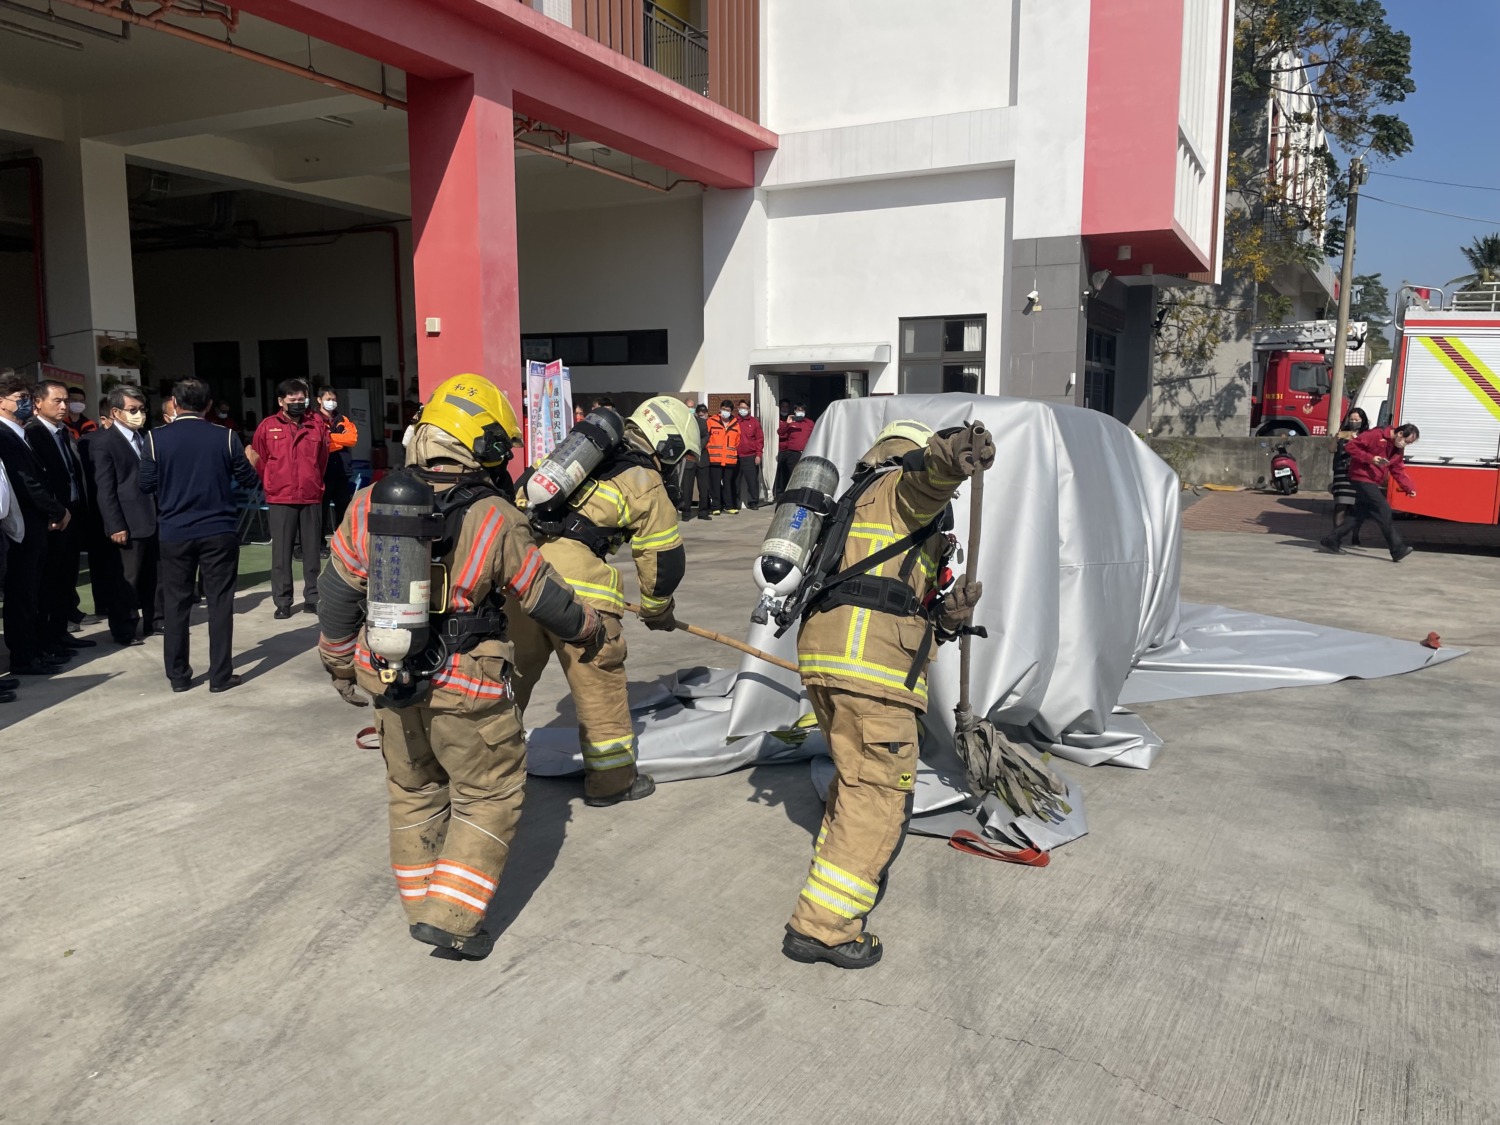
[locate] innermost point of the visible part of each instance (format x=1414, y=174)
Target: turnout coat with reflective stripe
x=493, y=551
x=862, y=650
x=635, y=502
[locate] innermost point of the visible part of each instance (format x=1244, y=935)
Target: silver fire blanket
x=1080, y=558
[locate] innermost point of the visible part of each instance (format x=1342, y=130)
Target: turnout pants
x=288, y=522
x=455, y=783
x=873, y=743
x=1370, y=503
x=599, y=689
x=218, y=559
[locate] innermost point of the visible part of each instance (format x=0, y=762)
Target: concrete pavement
x=1292, y=918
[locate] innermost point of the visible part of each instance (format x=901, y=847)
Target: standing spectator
x=77, y=421
x=222, y=417
x=342, y=436
x=724, y=458
x=41, y=513
x=168, y=410
x=104, y=419
x=247, y=427
x=1342, y=487
x=1375, y=456
x=751, y=448
x=578, y=414
x=703, y=470
x=62, y=471
x=190, y=467
x=12, y=530
x=791, y=436
x=290, y=451
x=127, y=517
x=104, y=559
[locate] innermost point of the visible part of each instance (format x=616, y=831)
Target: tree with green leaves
x=1483, y=256
x=1355, y=66
x=1371, y=303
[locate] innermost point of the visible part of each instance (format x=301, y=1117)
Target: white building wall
x=832, y=63
x=1052, y=99
x=617, y=269
x=848, y=261
x=198, y=296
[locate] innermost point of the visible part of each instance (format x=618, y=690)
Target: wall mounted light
x=1033, y=303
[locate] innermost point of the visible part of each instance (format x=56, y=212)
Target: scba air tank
x=576, y=456
x=401, y=519
x=795, y=526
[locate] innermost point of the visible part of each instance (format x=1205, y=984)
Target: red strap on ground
x=368, y=739
x=1432, y=640
x=971, y=843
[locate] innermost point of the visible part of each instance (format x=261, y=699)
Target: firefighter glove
x=959, y=603
x=663, y=620
x=963, y=450
x=606, y=629
x=349, y=692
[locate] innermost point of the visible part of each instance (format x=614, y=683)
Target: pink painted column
x=463, y=198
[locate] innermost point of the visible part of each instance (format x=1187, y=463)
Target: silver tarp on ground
x=1080, y=561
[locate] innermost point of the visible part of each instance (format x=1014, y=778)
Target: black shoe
x=1330, y=544
x=1397, y=556
x=1354, y=542
x=232, y=682
x=181, y=685
x=471, y=947
x=282, y=612
x=79, y=642
x=705, y=517
x=55, y=656
x=643, y=786
x=309, y=607
x=7, y=697
x=128, y=642
x=860, y=953
x=9, y=683
x=33, y=668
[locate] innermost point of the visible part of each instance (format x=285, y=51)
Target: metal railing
x=674, y=48
x=1481, y=297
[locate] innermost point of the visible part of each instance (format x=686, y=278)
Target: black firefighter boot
x=642, y=786
x=860, y=953
x=470, y=947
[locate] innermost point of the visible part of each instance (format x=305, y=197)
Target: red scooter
x=1285, y=477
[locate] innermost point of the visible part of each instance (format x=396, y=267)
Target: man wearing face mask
x=342, y=436
x=290, y=452
x=57, y=453
x=724, y=459
x=77, y=421
x=752, y=447
x=791, y=439
x=41, y=512
x=221, y=417
x=127, y=517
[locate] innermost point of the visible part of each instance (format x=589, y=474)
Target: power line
x=1430, y=211
x=1439, y=183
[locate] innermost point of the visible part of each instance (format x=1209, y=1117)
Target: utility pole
x=1346, y=285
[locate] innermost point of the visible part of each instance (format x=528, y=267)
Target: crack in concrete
x=991, y=1035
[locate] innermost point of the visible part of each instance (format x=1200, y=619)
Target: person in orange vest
x=724, y=459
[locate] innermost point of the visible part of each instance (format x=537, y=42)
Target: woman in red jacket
x=791, y=437
x=1375, y=456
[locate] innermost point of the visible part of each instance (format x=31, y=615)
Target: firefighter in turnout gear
x=626, y=499
x=865, y=642
x=454, y=748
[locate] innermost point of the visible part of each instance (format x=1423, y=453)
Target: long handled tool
x=1016, y=774
x=720, y=638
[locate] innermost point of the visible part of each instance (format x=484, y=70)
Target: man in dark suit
x=127, y=516
x=41, y=512
x=62, y=471
x=190, y=467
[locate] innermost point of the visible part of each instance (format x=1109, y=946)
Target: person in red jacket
x=751, y=449
x=290, y=451
x=1375, y=456
x=791, y=438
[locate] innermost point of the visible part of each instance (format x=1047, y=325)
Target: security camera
x=1033, y=296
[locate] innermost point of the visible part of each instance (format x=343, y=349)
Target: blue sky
x=1455, y=122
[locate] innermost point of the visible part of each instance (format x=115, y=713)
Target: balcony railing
x=674, y=48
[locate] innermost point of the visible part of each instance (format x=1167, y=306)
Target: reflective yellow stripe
x=648, y=602
x=610, y=754
x=659, y=541
x=820, y=895
x=862, y=670
x=822, y=835
x=845, y=882
x=610, y=594
x=617, y=498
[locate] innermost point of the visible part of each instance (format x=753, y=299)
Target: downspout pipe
x=33, y=167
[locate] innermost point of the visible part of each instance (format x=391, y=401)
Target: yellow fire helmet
x=670, y=430
x=913, y=432
x=472, y=409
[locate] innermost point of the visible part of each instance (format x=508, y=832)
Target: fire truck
x=1294, y=376
x=1446, y=382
